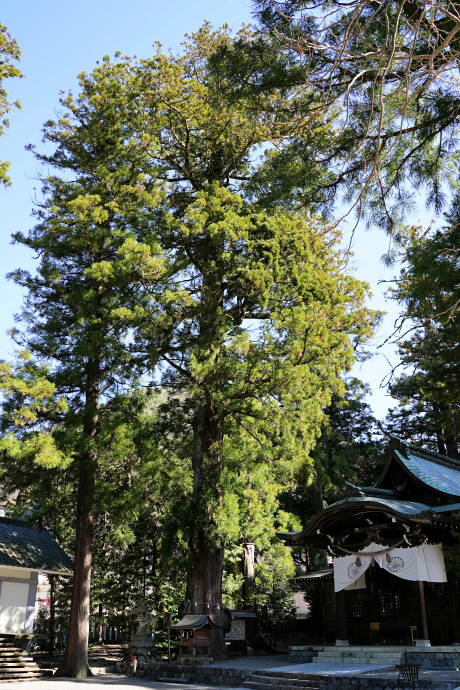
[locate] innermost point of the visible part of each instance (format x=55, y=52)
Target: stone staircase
x=15, y=664
x=280, y=680
x=367, y=655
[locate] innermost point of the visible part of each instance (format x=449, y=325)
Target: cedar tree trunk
x=204, y=578
x=74, y=663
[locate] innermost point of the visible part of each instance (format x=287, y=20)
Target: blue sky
x=60, y=40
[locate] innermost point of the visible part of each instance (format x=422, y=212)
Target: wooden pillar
x=454, y=632
x=426, y=640
x=341, y=617
x=249, y=575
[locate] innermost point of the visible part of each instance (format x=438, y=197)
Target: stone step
x=363, y=655
x=11, y=649
x=167, y=679
x=387, y=662
x=18, y=664
x=272, y=686
x=389, y=651
x=15, y=664
x=293, y=675
x=18, y=679
x=277, y=682
x=21, y=674
x=277, y=679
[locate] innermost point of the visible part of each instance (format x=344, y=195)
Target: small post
x=341, y=618
x=167, y=622
x=426, y=641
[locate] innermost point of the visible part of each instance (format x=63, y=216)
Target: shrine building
x=393, y=552
x=24, y=552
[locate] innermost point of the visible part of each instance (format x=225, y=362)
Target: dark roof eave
x=431, y=514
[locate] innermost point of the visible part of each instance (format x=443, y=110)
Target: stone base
x=342, y=643
x=143, y=653
x=304, y=654
x=422, y=643
x=191, y=660
x=207, y=675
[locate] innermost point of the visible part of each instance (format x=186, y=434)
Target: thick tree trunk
x=204, y=591
x=204, y=579
x=74, y=663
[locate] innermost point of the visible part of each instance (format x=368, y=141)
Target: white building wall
x=18, y=589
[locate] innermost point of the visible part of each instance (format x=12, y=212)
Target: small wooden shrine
x=24, y=552
x=195, y=635
x=388, y=583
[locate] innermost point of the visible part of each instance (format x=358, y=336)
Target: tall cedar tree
x=9, y=54
x=132, y=482
x=248, y=313
x=253, y=319
x=83, y=239
x=428, y=290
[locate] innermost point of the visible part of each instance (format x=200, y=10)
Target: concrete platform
x=330, y=669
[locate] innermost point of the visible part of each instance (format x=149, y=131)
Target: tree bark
x=249, y=576
x=100, y=625
x=74, y=663
x=204, y=578
x=204, y=591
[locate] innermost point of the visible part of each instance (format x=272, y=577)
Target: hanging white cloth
x=360, y=583
x=425, y=562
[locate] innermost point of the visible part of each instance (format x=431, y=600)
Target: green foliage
x=385, y=80
x=9, y=54
x=428, y=290
x=274, y=594
x=350, y=448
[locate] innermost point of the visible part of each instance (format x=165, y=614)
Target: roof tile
x=24, y=546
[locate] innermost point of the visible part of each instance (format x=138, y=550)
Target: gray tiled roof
x=437, y=475
x=401, y=506
x=194, y=622
x=27, y=547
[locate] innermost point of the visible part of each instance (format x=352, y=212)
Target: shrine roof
x=23, y=546
x=400, y=506
x=402, y=509
x=195, y=622
x=431, y=471
x=318, y=575
x=416, y=486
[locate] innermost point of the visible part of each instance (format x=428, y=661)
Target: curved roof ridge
x=436, y=456
x=443, y=477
